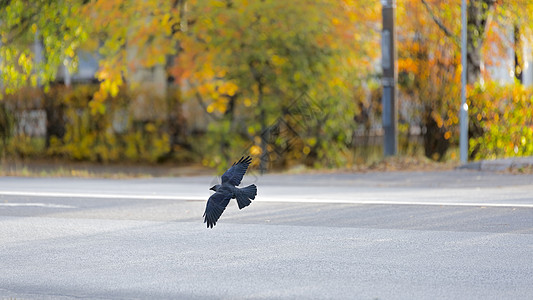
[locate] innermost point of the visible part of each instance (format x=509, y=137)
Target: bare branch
x=201, y=102
x=441, y=25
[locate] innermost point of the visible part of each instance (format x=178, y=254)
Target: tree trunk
x=6, y=125
x=478, y=15
x=55, y=121
x=435, y=143
x=517, y=60
x=258, y=78
x=264, y=129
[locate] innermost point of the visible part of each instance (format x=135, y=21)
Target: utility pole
x=390, y=75
x=463, y=116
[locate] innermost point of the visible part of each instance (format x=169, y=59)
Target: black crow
x=228, y=190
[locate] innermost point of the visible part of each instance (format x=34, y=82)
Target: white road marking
x=97, y=195
x=392, y=202
x=46, y=205
x=358, y=199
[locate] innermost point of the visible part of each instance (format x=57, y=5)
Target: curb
x=503, y=164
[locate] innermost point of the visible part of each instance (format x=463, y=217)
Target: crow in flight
x=228, y=190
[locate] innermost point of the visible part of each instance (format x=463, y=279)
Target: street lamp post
x=463, y=117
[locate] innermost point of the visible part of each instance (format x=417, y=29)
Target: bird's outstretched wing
x=234, y=174
x=215, y=207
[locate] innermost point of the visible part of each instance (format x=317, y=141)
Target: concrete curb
x=503, y=164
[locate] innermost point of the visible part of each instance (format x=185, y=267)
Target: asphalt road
x=422, y=235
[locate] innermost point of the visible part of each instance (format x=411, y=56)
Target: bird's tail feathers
x=245, y=194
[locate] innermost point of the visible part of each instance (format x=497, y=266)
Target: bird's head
x=215, y=187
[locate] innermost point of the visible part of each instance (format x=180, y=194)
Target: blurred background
x=295, y=83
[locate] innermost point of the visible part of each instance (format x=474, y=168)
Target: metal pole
x=388, y=62
x=463, y=121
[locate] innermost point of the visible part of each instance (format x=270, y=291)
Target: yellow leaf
x=113, y=89
x=437, y=118
x=228, y=88
x=150, y=127
x=231, y=88
x=211, y=108
x=278, y=61
x=255, y=150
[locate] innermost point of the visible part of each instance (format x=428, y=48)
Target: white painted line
x=46, y=205
x=368, y=201
x=393, y=202
x=98, y=195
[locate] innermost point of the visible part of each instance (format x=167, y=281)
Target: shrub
x=501, y=121
x=114, y=135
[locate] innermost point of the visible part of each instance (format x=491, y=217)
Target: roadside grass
x=59, y=168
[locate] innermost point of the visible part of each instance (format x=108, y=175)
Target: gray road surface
x=443, y=235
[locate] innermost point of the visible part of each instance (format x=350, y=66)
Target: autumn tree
x=429, y=73
x=129, y=36
x=248, y=62
x=24, y=24
x=430, y=59
x=37, y=38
